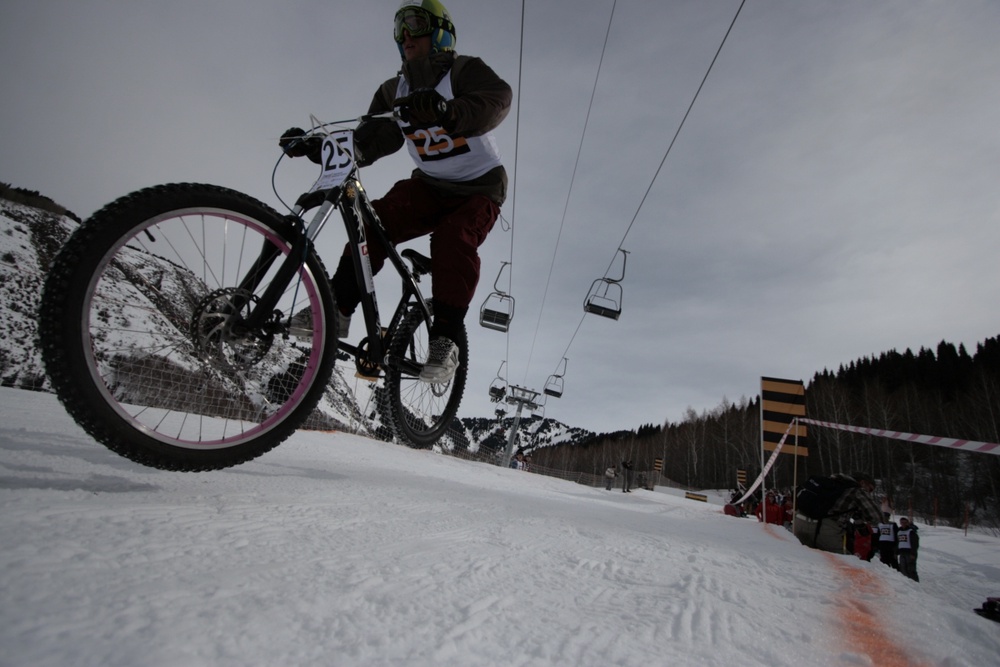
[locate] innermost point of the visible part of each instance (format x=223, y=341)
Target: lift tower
x=521, y=397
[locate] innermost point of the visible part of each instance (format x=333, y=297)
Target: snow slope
x=338, y=550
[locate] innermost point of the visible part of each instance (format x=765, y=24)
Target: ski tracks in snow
x=335, y=550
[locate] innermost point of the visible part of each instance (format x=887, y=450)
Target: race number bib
x=337, y=160
x=433, y=143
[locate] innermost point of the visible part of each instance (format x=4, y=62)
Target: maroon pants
x=457, y=225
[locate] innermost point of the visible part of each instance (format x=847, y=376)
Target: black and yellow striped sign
x=658, y=465
x=781, y=402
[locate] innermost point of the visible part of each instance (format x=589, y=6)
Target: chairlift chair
x=604, y=299
x=554, y=385
x=498, y=388
x=538, y=407
x=497, y=391
x=605, y=295
x=498, y=309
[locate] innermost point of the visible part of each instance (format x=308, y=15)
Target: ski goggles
x=416, y=22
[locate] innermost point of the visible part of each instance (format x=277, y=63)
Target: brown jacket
x=482, y=100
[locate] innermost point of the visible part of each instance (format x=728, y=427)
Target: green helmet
x=425, y=17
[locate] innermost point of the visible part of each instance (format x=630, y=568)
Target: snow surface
x=338, y=550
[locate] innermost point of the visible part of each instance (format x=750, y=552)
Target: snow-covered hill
x=29, y=239
x=338, y=550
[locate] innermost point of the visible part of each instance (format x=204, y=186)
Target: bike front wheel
x=144, y=334
x=420, y=413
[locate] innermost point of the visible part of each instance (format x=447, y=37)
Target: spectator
x=829, y=531
x=770, y=511
x=609, y=477
x=907, y=543
x=887, y=530
x=626, y=477
x=732, y=508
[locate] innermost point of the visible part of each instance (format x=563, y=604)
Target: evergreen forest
x=946, y=392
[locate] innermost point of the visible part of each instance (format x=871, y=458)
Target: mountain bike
x=168, y=321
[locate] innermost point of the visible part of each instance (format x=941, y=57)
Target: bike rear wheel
x=143, y=337
x=420, y=413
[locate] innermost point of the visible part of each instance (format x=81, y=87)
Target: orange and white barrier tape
x=953, y=443
x=767, y=466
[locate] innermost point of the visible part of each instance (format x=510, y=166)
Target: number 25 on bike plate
x=337, y=160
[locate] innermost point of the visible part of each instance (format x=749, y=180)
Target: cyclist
x=459, y=183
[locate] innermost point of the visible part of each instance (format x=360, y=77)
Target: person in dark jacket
x=887, y=529
x=830, y=532
x=455, y=193
x=907, y=543
x=626, y=477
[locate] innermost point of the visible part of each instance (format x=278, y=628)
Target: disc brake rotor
x=219, y=334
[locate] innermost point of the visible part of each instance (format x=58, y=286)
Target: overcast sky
x=833, y=193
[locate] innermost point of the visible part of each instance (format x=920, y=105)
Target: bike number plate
x=338, y=160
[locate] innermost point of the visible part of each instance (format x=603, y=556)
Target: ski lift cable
x=569, y=193
x=513, y=188
x=676, y=134
x=658, y=169
x=652, y=181
x=517, y=143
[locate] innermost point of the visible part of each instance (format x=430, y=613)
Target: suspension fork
x=302, y=245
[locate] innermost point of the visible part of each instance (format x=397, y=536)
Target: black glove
x=295, y=143
x=428, y=106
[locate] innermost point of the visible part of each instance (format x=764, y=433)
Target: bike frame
x=360, y=219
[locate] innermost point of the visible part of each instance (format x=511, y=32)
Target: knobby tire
x=140, y=336
x=421, y=413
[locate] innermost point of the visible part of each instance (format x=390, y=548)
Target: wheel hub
x=219, y=333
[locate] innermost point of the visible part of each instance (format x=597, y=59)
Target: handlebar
x=399, y=107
